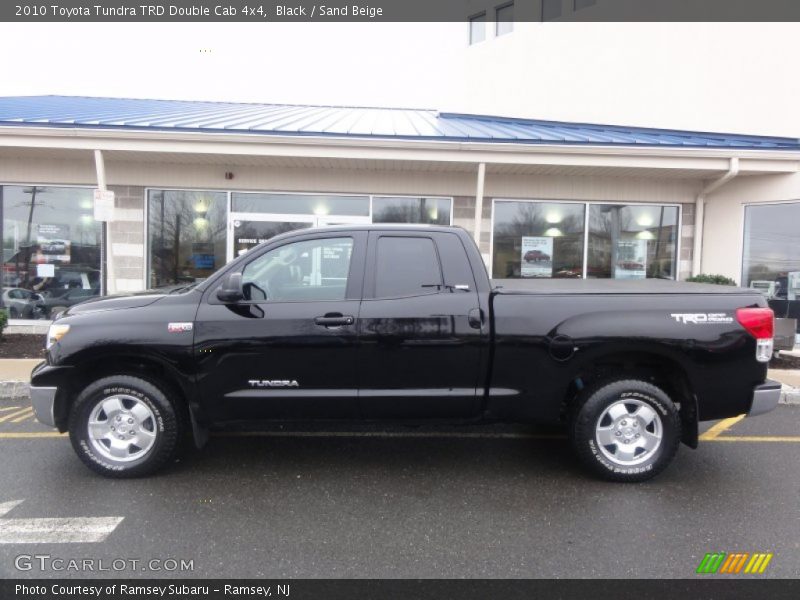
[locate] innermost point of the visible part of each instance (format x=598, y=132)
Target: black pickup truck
x=402, y=323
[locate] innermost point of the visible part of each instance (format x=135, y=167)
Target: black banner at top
x=398, y=10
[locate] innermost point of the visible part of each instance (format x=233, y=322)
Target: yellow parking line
x=714, y=432
x=756, y=438
x=30, y=434
x=14, y=415
x=8, y=408
x=28, y=415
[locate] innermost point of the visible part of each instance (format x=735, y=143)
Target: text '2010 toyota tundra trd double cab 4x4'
x=403, y=323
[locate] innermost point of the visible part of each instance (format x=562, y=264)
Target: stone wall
x=126, y=240
x=687, y=242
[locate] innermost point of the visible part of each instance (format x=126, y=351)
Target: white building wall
x=724, y=218
x=693, y=76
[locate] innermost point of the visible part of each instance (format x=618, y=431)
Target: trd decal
x=179, y=327
x=701, y=318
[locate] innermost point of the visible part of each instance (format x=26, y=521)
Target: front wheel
x=626, y=430
x=124, y=426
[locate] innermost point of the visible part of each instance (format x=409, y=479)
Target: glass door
x=247, y=230
x=352, y=220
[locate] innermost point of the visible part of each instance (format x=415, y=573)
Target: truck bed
x=612, y=287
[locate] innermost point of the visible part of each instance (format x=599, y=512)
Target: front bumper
x=43, y=400
x=49, y=386
x=765, y=398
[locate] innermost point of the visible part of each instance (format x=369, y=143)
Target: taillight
x=760, y=323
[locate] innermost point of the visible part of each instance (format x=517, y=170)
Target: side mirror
x=232, y=290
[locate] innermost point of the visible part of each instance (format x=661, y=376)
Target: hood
x=113, y=303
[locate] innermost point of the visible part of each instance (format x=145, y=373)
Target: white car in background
x=23, y=304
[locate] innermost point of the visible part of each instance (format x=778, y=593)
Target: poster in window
x=631, y=259
x=537, y=257
x=203, y=256
x=53, y=243
x=793, y=285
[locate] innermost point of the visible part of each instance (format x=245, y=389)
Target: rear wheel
x=124, y=426
x=626, y=430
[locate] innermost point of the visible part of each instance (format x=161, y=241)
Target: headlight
x=55, y=333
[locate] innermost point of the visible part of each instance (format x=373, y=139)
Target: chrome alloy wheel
x=122, y=428
x=629, y=432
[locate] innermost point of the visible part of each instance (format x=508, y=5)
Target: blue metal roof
x=333, y=121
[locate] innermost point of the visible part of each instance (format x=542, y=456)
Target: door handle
x=475, y=318
x=334, y=320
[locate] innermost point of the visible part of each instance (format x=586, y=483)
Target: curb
x=12, y=392
x=790, y=395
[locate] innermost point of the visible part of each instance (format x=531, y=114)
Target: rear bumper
x=765, y=398
x=43, y=400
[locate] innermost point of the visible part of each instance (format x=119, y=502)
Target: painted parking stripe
x=27, y=415
x=48, y=530
x=30, y=435
x=758, y=438
x=718, y=429
x=13, y=415
x=5, y=408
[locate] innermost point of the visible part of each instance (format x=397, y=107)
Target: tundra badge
x=273, y=383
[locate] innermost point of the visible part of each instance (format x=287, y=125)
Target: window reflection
x=51, y=249
x=632, y=242
x=771, y=259
x=187, y=235
x=432, y=211
x=300, y=204
x=538, y=239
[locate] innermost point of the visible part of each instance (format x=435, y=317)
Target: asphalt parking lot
x=416, y=503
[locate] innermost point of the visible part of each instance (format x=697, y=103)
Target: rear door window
x=406, y=266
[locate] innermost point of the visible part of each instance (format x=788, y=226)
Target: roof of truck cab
x=612, y=286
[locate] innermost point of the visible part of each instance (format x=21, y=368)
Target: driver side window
x=305, y=271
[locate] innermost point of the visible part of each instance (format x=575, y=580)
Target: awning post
x=479, y=203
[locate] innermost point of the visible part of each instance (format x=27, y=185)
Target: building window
x=186, y=235
x=551, y=9
x=300, y=204
x=391, y=209
x=579, y=4
x=538, y=239
x=51, y=249
x=505, y=19
x=632, y=242
x=771, y=260
x=477, y=28
x=547, y=239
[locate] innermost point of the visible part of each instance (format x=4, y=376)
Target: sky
x=361, y=64
x=728, y=77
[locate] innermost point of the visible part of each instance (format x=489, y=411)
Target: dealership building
x=197, y=183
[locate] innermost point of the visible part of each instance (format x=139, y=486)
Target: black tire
x=590, y=420
x=166, y=422
x=13, y=312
